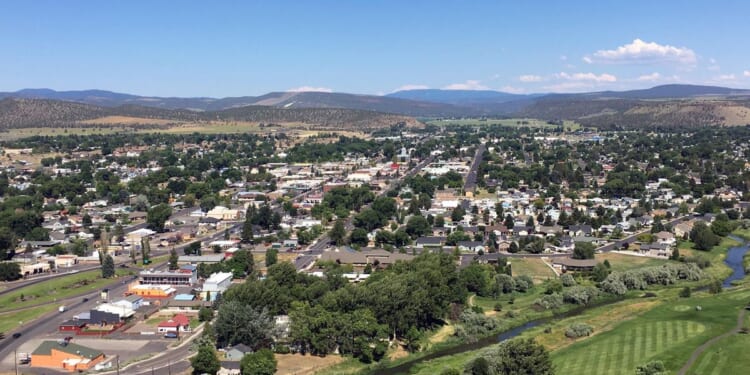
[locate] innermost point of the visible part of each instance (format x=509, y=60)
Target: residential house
x=472, y=246
x=178, y=323
x=574, y=265
x=238, y=351
x=429, y=242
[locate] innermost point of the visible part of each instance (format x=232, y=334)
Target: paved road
x=471, y=178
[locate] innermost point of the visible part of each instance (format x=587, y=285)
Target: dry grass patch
x=442, y=334
x=621, y=262
x=126, y=120
x=304, y=364
x=534, y=267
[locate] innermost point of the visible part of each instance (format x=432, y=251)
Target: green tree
x=583, y=250
x=702, y=236
x=261, y=362
x=237, y=323
x=271, y=257
x=417, y=226
x=7, y=243
x=157, y=216
x=338, y=232
x=205, y=314
x=205, y=362
x=173, y=259
x=358, y=237
x=145, y=250
x=9, y=271
x=108, y=267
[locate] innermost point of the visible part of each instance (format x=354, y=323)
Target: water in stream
x=734, y=261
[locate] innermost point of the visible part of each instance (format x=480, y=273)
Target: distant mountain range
x=668, y=105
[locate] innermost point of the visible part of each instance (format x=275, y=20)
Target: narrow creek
x=733, y=260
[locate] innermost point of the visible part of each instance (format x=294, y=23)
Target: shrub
x=577, y=330
x=685, y=292
x=523, y=283
x=651, y=368
x=580, y=295
x=549, y=301
x=498, y=307
x=567, y=280
x=474, y=325
x=505, y=284
x=613, y=286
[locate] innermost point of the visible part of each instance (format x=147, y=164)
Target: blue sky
x=233, y=48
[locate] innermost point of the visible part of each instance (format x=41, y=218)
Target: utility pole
x=118, y=364
x=15, y=360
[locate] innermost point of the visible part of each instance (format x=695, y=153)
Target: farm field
x=520, y=122
x=130, y=126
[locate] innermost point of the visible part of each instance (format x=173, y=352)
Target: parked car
x=171, y=335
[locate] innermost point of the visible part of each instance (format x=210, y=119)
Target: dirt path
x=698, y=351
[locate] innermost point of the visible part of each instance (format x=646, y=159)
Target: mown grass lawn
x=11, y=320
x=669, y=333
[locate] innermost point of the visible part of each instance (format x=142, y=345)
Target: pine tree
x=108, y=267
x=145, y=250
x=173, y=259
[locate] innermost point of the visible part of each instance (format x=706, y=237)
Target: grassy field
x=718, y=269
x=727, y=356
x=624, y=262
x=520, y=122
x=59, y=289
x=668, y=333
x=11, y=320
x=534, y=267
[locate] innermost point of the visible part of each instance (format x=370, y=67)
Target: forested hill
x=27, y=113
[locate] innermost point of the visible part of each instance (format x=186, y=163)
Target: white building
x=216, y=284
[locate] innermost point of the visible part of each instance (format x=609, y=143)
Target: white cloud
x=309, y=88
x=529, y=78
x=563, y=58
x=591, y=77
x=471, y=84
x=655, y=76
x=640, y=52
x=513, y=90
x=726, y=77
x=746, y=73
x=411, y=87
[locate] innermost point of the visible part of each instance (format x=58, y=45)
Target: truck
x=24, y=358
x=61, y=309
